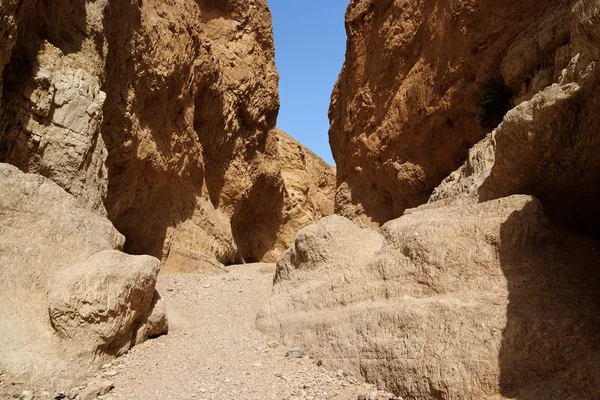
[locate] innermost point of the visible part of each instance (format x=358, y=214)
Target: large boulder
x=484, y=301
x=69, y=300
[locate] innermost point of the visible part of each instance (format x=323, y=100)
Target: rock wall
x=52, y=101
x=161, y=115
x=407, y=106
x=484, y=292
x=69, y=301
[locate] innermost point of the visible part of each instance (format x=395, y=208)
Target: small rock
x=96, y=388
x=60, y=396
x=272, y=344
x=110, y=373
x=373, y=396
x=295, y=352
x=74, y=393
x=207, y=286
x=27, y=395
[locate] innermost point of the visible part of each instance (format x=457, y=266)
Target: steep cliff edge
x=160, y=115
x=407, y=105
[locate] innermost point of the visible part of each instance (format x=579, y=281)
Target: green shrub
x=223, y=259
x=494, y=102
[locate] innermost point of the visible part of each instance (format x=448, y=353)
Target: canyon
x=452, y=253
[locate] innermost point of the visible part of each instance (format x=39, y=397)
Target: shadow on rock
x=551, y=343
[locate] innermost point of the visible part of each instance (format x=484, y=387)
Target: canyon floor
x=213, y=350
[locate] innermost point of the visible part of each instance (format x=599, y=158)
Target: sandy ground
x=213, y=350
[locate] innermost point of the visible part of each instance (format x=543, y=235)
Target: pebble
x=27, y=395
x=294, y=352
x=96, y=388
x=110, y=374
x=74, y=393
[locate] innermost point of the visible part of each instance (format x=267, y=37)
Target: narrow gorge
x=146, y=194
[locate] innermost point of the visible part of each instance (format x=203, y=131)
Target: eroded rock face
x=482, y=301
x=308, y=191
x=406, y=108
x=52, y=101
x=192, y=91
x=68, y=300
x=162, y=115
x=547, y=147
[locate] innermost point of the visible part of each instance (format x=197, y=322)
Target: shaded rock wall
x=406, y=107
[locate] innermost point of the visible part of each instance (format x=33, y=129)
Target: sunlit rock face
x=160, y=115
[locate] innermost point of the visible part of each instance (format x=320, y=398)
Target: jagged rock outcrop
x=547, y=146
x=484, y=292
x=52, y=101
x=407, y=105
x=160, y=114
x=69, y=301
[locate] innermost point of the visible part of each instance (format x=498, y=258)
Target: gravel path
x=214, y=352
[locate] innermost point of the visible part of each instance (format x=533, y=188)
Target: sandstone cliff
x=160, y=115
x=408, y=103
x=484, y=292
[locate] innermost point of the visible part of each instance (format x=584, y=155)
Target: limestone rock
x=483, y=301
x=66, y=305
x=52, y=101
x=586, y=27
x=308, y=191
x=96, y=388
x=405, y=110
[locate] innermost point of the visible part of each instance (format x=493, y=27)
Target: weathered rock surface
x=488, y=300
x=66, y=303
x=478, y=294
x=162, y=115
x=52, y=100
x=548, y=147
x=407, y=105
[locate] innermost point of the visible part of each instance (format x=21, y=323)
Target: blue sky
x=310, y=45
